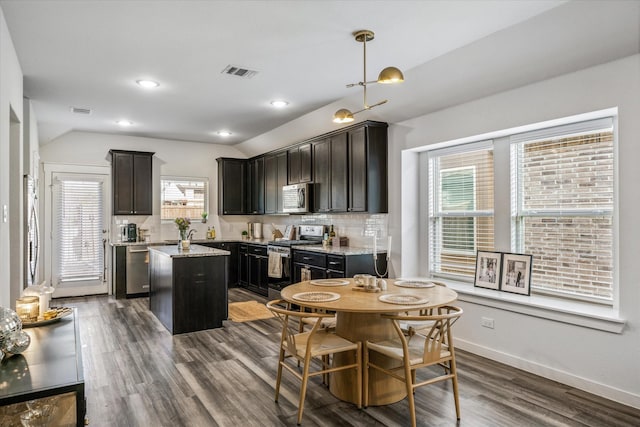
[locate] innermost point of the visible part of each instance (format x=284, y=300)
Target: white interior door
x=78, y=218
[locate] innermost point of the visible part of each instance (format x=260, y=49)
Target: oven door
x=275, y=284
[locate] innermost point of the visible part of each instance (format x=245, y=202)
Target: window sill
x=588, y=315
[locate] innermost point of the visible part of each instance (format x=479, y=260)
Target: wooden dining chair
x=410, y=327
x=426, y=348
x=314, y=346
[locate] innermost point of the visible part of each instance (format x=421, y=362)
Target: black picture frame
x=516, y=273
x=488, y=265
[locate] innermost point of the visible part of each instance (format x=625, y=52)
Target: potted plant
x=245, y=235
x=205, y=215
x=183, y=225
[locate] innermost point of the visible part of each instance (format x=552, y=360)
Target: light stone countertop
x=194, y=251
x=342, y=250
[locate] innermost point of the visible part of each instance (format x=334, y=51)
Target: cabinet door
x=263, y=284
x=357, y=171
x=142, y=184
x=321, y=176
x=122, y=171
x=281, y=180
x=231, y=186
x=270, y=184
x=257, y=186
x=243, y=266
x=293, y=166
x=338, y=166
x=305, y=163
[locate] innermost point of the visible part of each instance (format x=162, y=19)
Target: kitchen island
x=188, y=288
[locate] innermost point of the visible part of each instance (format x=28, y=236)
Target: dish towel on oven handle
x=275, y=265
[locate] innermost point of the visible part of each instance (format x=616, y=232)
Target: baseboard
x=585, y=384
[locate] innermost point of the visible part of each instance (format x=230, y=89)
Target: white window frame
x=205, y=207
x=457, y=214
x=504, y=228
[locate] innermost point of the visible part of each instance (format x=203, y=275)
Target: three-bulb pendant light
x=387, y=76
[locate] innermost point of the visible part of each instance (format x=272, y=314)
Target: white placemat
x=329, y=282
x=316, y=296
x=403, y=299
x=403, y=283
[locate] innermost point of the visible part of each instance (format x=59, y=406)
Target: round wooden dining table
x=358, y=319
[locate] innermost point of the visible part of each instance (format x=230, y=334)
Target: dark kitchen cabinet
x=258, y=264
x=330, y=174
x=324, y=265
x=243, y=265
x=232, y=276
x=132, y=181
x=367, y=183
x=275, y=176
x=299, y=164
x=232, y=186
x=256, y=186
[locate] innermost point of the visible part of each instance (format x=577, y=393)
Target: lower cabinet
x=323, y=265
x=253, y=268
x=232, y=274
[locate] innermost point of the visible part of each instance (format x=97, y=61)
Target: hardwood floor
x=137, y=374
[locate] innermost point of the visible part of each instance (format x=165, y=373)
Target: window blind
x=79, y=224
x=460, y=207
x=562, y=208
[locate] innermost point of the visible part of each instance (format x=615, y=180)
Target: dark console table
x=50, y=367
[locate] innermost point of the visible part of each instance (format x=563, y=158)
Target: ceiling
x=89, y=55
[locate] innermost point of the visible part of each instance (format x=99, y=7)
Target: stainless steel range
x=279, y=251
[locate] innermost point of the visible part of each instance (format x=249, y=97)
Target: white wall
x=174, y=158
x=11, y=245
x=601, y=362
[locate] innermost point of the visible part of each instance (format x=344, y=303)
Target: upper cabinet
x=300, y=164
x=275, y=177
x=347, y=169
x=256, y=186
x=368, y=185
x=330, y=174
x=132, y=182
x=232, y=195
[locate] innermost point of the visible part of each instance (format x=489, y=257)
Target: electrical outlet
x=487, y=322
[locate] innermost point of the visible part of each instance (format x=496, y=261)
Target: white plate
x=316, y=296
x=330, y=282
x=404, y=283
x=403, y=299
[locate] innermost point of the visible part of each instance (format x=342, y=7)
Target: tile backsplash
x=360, y=229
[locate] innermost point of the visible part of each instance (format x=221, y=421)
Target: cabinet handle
x=333, y=263
x=305, y=258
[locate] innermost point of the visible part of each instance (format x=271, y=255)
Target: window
x=562, y=207
x=183, y=197
x=461, y=208
x=560, y=198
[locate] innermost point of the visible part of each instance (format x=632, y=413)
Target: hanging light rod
x=388, y=75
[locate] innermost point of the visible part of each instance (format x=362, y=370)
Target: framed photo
x=516, y=273
x=488, y=270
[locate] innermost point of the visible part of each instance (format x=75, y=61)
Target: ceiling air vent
x=77, y=110
x=234, y=70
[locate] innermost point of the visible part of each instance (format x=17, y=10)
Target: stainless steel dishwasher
x=137, y=270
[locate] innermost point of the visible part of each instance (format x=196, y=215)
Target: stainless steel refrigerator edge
x=31, y=232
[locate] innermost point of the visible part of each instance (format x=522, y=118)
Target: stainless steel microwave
x=295, y=198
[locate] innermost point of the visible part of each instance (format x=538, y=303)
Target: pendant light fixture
x=387, y=76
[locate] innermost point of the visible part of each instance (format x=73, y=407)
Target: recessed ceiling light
x=278, y=103
x=124, y=123
x=224, y=133
x=147, y=83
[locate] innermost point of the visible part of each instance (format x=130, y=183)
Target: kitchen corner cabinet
x=300, y=164
x=323, y=265
x=275, y=177
x=132, y=182
x=330, y=174
x=232, y=184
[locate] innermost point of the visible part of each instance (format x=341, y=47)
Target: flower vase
x=184, y=242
